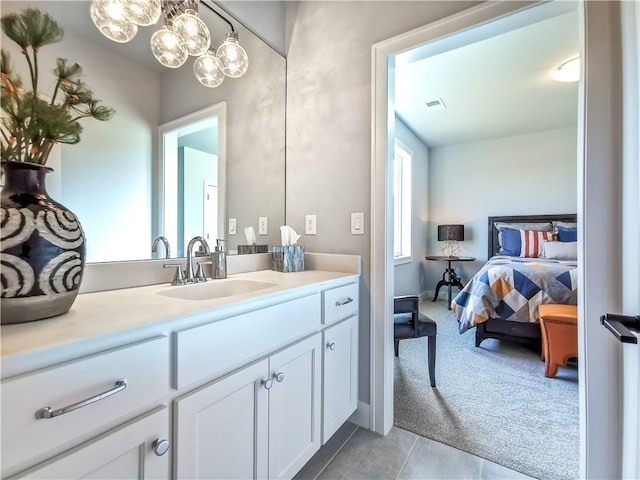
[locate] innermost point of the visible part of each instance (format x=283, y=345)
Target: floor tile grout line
x=408, y=455
x=337, y=452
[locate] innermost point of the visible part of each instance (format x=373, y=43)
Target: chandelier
x=183, y=34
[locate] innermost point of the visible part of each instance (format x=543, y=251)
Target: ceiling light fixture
x=569, y=71
x=184, y=33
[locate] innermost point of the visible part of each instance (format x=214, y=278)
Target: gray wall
x=534, y=173
x=410, y=278
x=329, y=122
x=255, y=132
x=265, y=19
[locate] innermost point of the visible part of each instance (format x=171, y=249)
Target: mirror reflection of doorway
x=210, y=209
x=193, y=177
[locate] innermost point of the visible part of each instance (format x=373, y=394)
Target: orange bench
x=559, y=325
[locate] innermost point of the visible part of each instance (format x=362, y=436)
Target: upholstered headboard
x=494, y=247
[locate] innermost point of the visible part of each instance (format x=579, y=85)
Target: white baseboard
x=361, y=416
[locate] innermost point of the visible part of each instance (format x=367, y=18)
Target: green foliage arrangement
x=31, y=125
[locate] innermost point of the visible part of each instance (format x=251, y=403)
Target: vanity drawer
x=144, y=366
x=221, y=346
x=340, y=303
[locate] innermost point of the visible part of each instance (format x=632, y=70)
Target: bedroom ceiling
x=496, y=87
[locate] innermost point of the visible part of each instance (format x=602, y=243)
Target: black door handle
x=621, y=325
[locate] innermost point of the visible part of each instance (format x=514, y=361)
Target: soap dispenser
x=219, y=261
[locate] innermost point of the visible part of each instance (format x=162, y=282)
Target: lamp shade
x=450, y=232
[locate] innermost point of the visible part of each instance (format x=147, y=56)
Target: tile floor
x=354, y=453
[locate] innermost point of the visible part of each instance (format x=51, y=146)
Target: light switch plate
x=263, y=226
x=232, y=225
x=357, y=223
x=310, y=224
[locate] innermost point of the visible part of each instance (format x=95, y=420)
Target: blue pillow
x=511, y=243
x=567, y=234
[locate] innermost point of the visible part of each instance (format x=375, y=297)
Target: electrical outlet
x=263, y=226
x=232, y=225
x=310, y=224
x=357, y=223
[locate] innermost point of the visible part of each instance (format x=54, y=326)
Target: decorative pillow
x=560, y=250
x=567, y=234
x=537, y=226
x=524, y=243
x=566, y=224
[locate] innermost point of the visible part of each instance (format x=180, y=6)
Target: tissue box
x=243, y=249
x=287, y=258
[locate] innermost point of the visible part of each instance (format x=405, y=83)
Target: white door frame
x=599, y=181
x=167, y=132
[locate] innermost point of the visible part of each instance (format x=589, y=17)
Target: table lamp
x=450, y=235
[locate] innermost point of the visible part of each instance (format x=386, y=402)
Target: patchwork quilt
x=511, y=288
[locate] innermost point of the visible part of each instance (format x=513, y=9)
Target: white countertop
x=116, y=311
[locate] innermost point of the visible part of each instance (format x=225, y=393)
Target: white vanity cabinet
x=294, y=407
x=260, y=422
x=135, y=450
x=221, y=429
x=340, y=375
x=53, y=409
x=249, y=390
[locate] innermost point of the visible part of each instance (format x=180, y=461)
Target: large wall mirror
x=114, y=180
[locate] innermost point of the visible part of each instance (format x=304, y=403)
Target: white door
x=126, y=452
x=221, y=429
x=210, y=210
x=294, y=407
x=611, y=223
x=340, y=379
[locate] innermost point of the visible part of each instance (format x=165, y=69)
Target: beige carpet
x=493, y=401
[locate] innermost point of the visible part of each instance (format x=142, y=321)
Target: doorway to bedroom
x=489, y=133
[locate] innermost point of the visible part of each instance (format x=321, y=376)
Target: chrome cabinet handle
x=160, y=446
x=340, y=303
x=278, y=377
x=331, y=346
x=267, y=384
x=46, y=412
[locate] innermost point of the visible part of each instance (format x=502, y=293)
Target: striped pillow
x=524, y=243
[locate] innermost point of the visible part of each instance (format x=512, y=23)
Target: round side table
x=449, y=277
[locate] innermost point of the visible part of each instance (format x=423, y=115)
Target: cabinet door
x=126, y=452
x=294, y=407
x=221, y=428
x=340, y=379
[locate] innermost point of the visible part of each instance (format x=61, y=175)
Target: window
x=402, y=203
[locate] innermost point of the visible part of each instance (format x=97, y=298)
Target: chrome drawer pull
x=46, y=412
x=340, y=303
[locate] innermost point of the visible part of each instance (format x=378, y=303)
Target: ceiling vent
x=435, y=105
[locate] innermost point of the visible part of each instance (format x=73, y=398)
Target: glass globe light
x=232, y=57
x=142, y=12
x=207, y=70
x=108, y=16
x=193, y=32
x=165, y=45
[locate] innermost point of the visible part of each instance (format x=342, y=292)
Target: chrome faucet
x=167, y=249
x=190, y=277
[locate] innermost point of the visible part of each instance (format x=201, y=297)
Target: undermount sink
x=214, y=289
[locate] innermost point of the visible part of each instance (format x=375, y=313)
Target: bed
x=501, y=300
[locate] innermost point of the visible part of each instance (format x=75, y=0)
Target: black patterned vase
x=43, y=247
